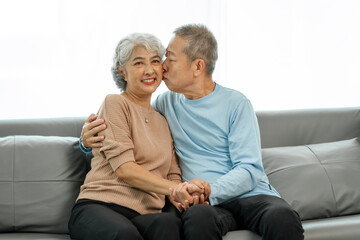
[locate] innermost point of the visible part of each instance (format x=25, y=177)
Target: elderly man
x=216, y=136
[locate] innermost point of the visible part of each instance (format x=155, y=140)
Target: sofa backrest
x=311, y=126
x=277, y=128
x=41, y=171
x=312, y=158
x=69, y=127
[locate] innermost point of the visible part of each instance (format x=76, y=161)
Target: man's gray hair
x=201, y=43
x=125, y=48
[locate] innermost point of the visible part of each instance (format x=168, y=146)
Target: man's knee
x=284, y=222
x=199, y=213
x=282, y=215
x=200, y=217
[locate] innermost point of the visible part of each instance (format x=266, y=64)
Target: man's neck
x=201, y=90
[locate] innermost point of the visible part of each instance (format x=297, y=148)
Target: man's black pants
x=269, y=216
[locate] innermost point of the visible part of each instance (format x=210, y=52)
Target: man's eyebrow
x=169, y=52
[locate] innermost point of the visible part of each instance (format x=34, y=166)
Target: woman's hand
x=181, y=193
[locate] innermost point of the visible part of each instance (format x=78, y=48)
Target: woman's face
x=142, y=72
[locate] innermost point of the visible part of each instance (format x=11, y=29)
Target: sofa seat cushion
x=241, y=234
x=344, y=228
x=318, y=180
x=33, y=236
x=40, y=178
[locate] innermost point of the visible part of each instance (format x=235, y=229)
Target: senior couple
x=210, y=133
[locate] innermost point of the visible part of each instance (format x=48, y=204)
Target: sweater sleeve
x=118, y=145
x=174, y=172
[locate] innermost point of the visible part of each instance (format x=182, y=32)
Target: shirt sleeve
x=83, y=148
x=245, y=153
x=118, y=145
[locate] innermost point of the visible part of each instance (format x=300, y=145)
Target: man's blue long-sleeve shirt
x=217, y=139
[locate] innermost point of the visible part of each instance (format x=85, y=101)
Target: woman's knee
x=167, y=219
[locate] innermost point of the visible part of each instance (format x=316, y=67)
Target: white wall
x=55, y=56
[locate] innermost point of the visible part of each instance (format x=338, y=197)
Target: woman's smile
x=149, y=81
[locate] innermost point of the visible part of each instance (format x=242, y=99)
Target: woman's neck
x=142, y=101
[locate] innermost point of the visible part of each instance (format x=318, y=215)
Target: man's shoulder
x=167, y=97
x=232, y=94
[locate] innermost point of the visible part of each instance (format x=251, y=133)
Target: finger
x=196, y=199
x=96, y=145
x=182, y=186
x=192, y=188
x=207, y=190
x=93, y=142
x=91, y=118
x=186, y=205
x=202, y=199
x=171, y=190
x=96, y=123
x=180, y=207
x=96, y=139
x=95, y=130
x=199, y=184
x=177, y=190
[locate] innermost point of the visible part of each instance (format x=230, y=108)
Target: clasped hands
x=190, y=193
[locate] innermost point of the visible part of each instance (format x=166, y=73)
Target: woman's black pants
x=95, y=220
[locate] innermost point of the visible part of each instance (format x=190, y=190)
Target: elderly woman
x=124, y=192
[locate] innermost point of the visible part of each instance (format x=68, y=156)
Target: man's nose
x=165, y=68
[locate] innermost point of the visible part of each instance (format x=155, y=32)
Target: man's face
x=178, y=75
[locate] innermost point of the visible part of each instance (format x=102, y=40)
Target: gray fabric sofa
x=312, y=157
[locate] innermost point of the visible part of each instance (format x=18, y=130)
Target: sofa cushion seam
x=327, y=175
x=13, y=183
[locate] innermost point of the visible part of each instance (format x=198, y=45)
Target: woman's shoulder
x=114, y=99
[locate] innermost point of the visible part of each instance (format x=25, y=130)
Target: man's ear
x=198, y=65
x=122, y=72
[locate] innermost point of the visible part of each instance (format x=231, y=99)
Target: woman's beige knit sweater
x=129, y=138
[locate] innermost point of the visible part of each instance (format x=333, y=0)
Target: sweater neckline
x=151, y=109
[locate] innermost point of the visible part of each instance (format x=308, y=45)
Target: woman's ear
x=122, y=72
x=198, y=66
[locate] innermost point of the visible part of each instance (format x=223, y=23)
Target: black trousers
x=269, y=216
x=95, y=220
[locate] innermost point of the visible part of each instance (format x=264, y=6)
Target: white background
x=55, y=55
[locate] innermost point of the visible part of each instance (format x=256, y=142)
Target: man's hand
x=197, y=191
x=89, y=132
x=202, y=185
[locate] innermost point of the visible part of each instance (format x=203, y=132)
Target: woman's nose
x=149, y=69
